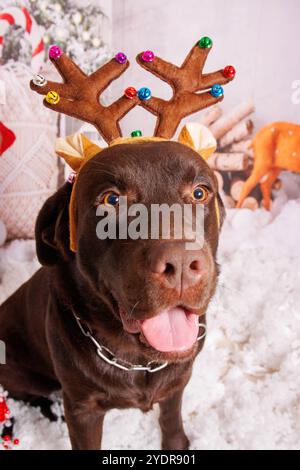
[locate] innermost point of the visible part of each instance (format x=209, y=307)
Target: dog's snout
x=177, y=267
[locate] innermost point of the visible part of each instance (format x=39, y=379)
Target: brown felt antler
x=186, y=81
x=79, y=95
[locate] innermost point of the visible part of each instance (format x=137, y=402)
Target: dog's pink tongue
x=171, y=330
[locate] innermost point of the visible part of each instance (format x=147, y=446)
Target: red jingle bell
x=130, y=92
x=229, y=71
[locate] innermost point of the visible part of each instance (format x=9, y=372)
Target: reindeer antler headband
x=79, y=96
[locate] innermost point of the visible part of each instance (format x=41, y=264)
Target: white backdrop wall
x=261, y=38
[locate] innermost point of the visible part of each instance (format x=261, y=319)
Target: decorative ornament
x=136, y=133
x=55, y=52
x=144, y=94
x=46, y=38
x=71, y=178
x=34, y=33
x=8, y=442
x=77, y=18
x=7, y=138
x=39, y=80
x=217, y=91
x=229, y=71
x=86, y=35
x=148, y=56
x=4, y=411
x=121, y=58
x=96, y=42
x=57, y=7
x=52, y=97
x=130, y=92
x=61, y=34
x=205, y=43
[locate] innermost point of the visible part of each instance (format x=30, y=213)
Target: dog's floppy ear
x=221, y=212
x=52, y=228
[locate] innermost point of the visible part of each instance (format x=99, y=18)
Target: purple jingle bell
x=148, y=56
x=121, y=58
x=55, y=52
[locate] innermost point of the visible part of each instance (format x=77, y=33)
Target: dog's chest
x=137, y=390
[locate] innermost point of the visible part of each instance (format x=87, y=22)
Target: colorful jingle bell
x=144, y=94
x=121, y=58
x=229, y=71
x=39, y=80
x=55, y=52
x=205, y=43
x=217, y=91
x=52, y=97
x=148, y=56
x=71, y=178
x=130, y=92
x=136, y=133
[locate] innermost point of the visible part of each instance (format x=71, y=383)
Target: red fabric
x=38, y=49
x=7, y=17
x=7, y=138
x=28, y=20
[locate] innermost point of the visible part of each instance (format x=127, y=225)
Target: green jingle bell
x=136, y=133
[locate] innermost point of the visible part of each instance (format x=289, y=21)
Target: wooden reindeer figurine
x=276, y=148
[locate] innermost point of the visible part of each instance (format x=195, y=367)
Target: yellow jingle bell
x=52, y=97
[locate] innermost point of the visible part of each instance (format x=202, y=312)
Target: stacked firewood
x=233, y=159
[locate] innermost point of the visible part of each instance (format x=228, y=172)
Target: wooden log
x=219, y=179
x=226, y=175
x=211, y=115
x=230, y=119
x=250, y=203
x=244, y=146
x=244, y=175
x=235, y=192
x=238, y=132
x=236, y=188
x=228, y=161
x=278, y=184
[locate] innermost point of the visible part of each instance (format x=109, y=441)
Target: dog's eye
x=200, y=193
x=109, y=199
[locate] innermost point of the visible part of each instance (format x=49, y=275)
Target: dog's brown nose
x=178, y=268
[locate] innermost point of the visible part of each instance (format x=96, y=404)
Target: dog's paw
x=176, y=442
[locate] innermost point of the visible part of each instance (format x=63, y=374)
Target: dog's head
x=157, y=288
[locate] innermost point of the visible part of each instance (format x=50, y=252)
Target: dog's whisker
x=132, y=310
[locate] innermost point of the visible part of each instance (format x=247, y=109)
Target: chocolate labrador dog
x=115, y=325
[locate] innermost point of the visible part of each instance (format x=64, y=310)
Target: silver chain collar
x=110, y=358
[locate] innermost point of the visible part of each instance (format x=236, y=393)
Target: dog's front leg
x=85, y=426
x=170, y=420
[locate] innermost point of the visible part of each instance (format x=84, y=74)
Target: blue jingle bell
x=144, y=94
x=217, y=91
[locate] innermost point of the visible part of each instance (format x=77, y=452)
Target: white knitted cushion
x=28, y=169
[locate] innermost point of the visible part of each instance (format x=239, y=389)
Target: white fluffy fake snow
x=245, y=388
